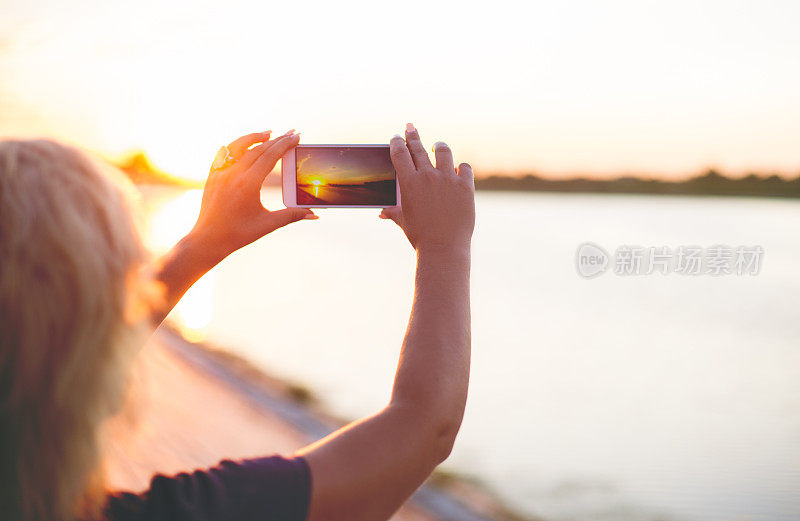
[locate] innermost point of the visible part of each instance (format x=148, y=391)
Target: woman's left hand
x=231, y=214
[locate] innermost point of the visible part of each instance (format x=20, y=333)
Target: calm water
x=640, y=398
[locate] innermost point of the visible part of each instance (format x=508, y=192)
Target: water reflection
x=608, y=399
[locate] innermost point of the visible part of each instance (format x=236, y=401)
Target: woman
x=77, y=299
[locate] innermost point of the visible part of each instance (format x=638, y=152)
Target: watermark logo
x=591, y=260
x=717, y=260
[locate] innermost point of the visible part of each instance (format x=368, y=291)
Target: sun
x=317, y=183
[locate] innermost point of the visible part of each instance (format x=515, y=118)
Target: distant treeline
x=709, y=183
x=139, y=168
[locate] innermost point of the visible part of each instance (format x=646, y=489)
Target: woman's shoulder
x=266, y=488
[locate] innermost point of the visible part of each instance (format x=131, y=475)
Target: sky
x=557, y=88
x=344, y=165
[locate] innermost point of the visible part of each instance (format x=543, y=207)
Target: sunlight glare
x=168, y=224
x=194, y=311
x=173, y=220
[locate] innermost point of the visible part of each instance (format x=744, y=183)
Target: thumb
x=394, y=213
x=280, y=218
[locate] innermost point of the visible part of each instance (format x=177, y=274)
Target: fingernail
x=397, y=136
x=267, y=132
x=410, y=127
x=289, y=133
x=311, y=216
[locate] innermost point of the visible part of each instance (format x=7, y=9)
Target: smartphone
x=339, y=176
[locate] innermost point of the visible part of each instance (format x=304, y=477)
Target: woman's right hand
x=437, y=210
x=231, y=214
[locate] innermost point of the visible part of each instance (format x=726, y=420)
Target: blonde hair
x=70, y=254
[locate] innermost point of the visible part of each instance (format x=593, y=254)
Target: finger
x=444, y=157
x=239, y=146
x=266, y=162
x=401, y=159
x=465, y=171
x=393, y=213
x=280, y=218
x=249, y=157
x=414, y=144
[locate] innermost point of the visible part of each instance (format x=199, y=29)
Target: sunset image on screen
x=362, y=176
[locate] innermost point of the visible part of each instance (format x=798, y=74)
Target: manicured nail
x=410, y=127
x=311, y=216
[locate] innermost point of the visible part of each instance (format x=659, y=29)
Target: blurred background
x=622, y=122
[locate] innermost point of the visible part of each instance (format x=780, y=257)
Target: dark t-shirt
x=262, y=489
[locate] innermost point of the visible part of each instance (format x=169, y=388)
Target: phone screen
x=345, y=175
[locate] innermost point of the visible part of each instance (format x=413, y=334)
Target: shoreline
x=444, y=496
